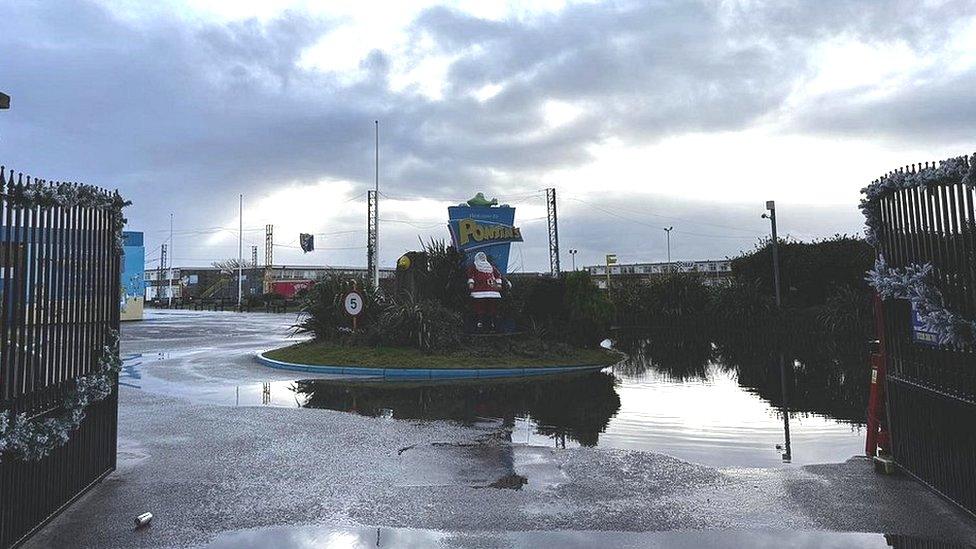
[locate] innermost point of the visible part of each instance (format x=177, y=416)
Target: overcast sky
x=641, y=114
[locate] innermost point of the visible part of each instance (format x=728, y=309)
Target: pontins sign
x=474, y=234
x=481, y=225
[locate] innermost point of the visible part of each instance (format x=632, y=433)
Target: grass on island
x=331, y=354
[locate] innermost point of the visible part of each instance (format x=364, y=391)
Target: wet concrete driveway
x=222, y=475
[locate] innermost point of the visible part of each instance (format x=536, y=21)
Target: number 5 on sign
x=353, y=305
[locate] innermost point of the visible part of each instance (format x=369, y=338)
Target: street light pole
x=771, y=207
x=572, y=253
x=771, y=215
x=668, y=231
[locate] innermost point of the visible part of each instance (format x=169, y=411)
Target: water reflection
x=726, y=402
x=819, y=377
x=576, y=407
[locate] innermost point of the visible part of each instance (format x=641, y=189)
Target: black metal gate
x=931, y=389
x=59, y=308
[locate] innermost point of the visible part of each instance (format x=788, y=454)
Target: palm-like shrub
x=675, y=298
x=424, y=324
x=847, y=313
x=445, y=279
x=322, y=315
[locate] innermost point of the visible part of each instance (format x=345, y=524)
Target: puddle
x=308, y=537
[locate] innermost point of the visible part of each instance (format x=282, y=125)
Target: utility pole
x=553, y=232
x=572, y=254
x=169, y=272
x=268, y=257
x=159, y=277
x=668, y=231
x=376, y=211
x=240, y=255
x=371, y=223
x=254, y=257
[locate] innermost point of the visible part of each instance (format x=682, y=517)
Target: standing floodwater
x=710, y=402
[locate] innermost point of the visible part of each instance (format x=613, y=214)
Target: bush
x=445, y=278
x=809, y=271
x=569, y=308
x=672, y=299
x=848, y=313
x=586, y=308
x=742, y=304
x=321, y=313
x=423, y=324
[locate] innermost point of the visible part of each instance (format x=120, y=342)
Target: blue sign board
x=484, y=229
x=919, y=333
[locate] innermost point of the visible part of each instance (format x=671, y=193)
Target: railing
x=59, y=306
x=931, y=389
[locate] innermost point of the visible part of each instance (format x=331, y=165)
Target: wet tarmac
x=287, y=476
x=364, y=537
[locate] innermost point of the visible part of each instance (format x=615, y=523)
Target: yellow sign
x=472, y=231
x=611, y=259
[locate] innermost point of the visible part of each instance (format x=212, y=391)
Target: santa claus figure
x=485, y=284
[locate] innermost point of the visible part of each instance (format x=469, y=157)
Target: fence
x=931, y=388
x=59, y=307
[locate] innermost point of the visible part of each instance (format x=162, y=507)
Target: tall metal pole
x=169, y=273
x=240, y=255
x=376, y=205
x=667, y=230
x=554, y=268
x=788, y=449
x=771, y=206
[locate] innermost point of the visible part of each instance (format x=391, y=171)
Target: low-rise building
x=196, y=283
x=714, y=271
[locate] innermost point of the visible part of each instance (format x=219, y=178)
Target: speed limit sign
x=353, y=303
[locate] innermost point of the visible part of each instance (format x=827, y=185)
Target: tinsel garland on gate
x=33, y=438
x=912, y=282
x=947, y=172
x=44, y=195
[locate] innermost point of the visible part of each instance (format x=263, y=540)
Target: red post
x=877, y=431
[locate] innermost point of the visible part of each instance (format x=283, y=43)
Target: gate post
x=877, y=430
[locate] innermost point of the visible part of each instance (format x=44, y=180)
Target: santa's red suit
x=484, y=283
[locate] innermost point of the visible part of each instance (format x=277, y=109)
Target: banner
x=307, y=242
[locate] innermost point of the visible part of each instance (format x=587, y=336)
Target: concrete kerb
x=425, y=373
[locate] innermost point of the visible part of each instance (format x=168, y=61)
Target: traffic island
x=408, y=363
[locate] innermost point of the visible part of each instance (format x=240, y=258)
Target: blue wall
x=133, y=265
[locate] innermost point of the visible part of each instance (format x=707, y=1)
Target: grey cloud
x=183, y=115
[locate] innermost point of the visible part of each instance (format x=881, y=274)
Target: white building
x=714, y=271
